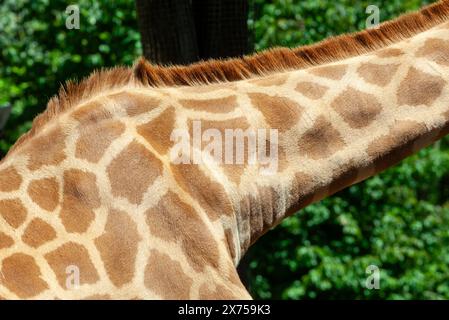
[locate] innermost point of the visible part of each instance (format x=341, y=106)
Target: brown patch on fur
x=321, y=141
x=389, y=53
x=303, y=190
x=243, y=223
x=334, y=72
x=47, y=150
x=174, y=220
x=358, y=109
x=45, y=193
x=311, y=90
x=72, y=254
x=5, y=241
x=302, y=184
x=234, y=170
x=220, y=292
x=166, y=278
x=229, y=242
x=22, y=275
x=446, y=114
x=377, y=74
x=157, y=131
x=261, y=217
x=436, y=50
x=95, y=139
x=118, y=247
x=396, y=145
x=37, y=233
x=80, y=198
x=419, y=88
x=133, y=171
x=13, y=211
x=280, y=113
x=282, y=158
x=345, y=176
x=219, y=105
x=92, y=113
x=136, y=103
x=211, y=196
x=10, y=179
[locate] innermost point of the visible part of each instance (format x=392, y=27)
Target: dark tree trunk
x=184, y=31
x=167, y=31
x=221, y=27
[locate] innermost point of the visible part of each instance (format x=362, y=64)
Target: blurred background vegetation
x=398, y=220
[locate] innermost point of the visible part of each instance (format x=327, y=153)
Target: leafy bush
x=291, y=23
x=38, y=52
x=397, y=221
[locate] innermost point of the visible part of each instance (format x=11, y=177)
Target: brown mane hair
x=266, y=62
x=283, y=59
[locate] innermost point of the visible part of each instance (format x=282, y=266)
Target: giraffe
x=90, y=192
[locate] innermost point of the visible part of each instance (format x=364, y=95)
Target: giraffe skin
x=95, y=188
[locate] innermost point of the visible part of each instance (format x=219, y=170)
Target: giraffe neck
x=341, y=123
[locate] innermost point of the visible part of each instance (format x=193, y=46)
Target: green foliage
x=397, y=221
x=38, y=52
x=290, y=23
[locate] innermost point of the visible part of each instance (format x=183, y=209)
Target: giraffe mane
x=284, y=59
x=234, y=69
x=72, y=93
